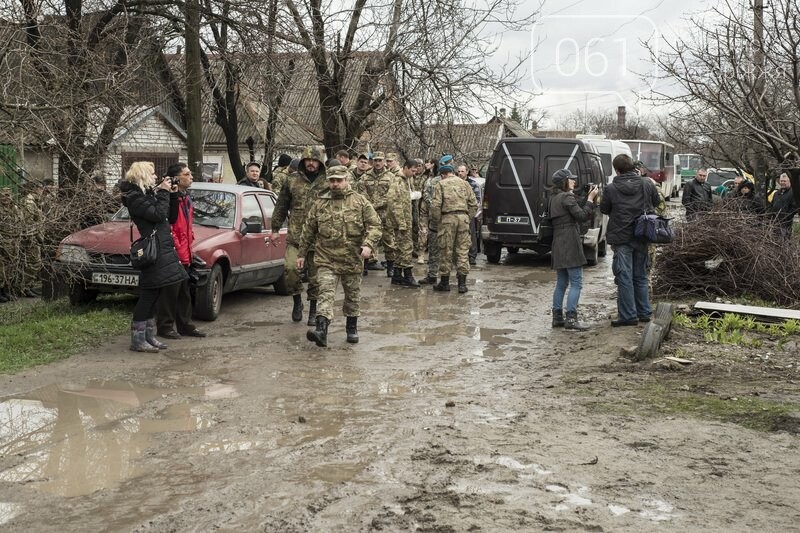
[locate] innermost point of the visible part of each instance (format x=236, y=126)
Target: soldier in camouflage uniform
x=400, y=221
x=362, y=166
x=343, y=228
x=293, y=202
x=280, y=172
x=428, y=230
x=375, y=186
x=392, y=164
x=452, y=208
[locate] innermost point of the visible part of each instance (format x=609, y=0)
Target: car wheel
x=79, y=294
x=591, y=254
x=492, y=251
x=512, y=249
x=281, y=287
x=209, y=296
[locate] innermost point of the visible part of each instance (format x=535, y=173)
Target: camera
x=173, y=180
x=588, y=187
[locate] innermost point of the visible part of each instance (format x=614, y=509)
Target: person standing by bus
x=697, y=195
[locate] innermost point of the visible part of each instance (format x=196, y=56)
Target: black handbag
x=144, y=250
x=546, y=227
x=651, y=227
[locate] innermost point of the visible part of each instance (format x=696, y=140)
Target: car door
x=277, y=248
x=255, y=249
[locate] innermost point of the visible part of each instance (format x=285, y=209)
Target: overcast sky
x=590, y=53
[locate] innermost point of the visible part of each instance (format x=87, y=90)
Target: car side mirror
x=250, y=227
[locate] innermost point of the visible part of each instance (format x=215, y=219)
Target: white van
x=608, y=150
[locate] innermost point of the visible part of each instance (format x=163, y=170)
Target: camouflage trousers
x=433, y=252
x=404, y=246
x=293, y=275
x=328, y=280
x=387, y=239
x=454, y=242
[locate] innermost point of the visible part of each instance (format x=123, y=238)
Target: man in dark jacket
x=697, y=195
x=175, y=301
x=623, y=201
x=783, y=206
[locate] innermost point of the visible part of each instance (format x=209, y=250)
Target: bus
x=660, y=165
x=687, y=165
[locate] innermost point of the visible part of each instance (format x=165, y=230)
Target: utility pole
x=193, y=78
x=758, y=161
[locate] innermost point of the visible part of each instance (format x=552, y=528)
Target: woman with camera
x=567, y=249
x=148, y=205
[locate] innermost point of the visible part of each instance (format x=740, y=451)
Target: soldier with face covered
x=375, y=186
x=343, y=229
x=294, y=199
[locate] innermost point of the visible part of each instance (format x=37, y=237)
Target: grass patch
x=751, y=412
x=38, y=332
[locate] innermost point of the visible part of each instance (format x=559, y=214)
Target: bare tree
x=734, y=85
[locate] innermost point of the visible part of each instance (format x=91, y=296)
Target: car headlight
x=71, y=253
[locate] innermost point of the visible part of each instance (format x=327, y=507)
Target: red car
x=231, y=224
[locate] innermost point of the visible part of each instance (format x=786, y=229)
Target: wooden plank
x=765, y=312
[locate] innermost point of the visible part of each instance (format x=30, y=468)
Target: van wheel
x=492, y=251
x=512, y=249
x=591, y=254
x=601, y=248
x=209, y=296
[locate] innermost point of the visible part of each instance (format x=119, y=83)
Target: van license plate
x=513, y=220
x=106, y=278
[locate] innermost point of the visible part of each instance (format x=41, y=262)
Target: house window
x=161, y=161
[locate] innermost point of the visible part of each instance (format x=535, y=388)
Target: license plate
x=513, y=220
x=107, y=278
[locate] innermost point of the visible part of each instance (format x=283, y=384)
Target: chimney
x=503, y=112
x=621, y=117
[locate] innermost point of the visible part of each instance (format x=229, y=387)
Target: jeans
x=630, y=275
x=572, y=277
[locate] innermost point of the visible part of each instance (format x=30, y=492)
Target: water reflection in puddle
x=71, y=441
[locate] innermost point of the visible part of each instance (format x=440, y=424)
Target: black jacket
x=696, y=196
x=783, y=206
x=624, y=200
x=149, y=210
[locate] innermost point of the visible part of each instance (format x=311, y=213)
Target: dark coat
x=696, y=197
x=783, y=207
x=623, y=201
x=149, y=210
x=566, y=216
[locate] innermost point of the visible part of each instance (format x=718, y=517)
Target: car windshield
x=717, y=177
x=211, y=208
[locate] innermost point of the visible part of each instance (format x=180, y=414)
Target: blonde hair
x=140, y=172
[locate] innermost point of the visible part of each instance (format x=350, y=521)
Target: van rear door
x=515, y=182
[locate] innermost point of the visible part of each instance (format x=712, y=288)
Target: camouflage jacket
x=337, y=226
x=398, y=202
x=452, y=195
x=375, y=186
x=293, y=202
x=279, y=176
x=425, y=202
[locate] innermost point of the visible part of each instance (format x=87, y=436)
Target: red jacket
x=181, y=219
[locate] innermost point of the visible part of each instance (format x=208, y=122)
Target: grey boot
x=312, y=312
x=150, y=334
x=572, y=323
x=352, y=329
x=320, y=334
x=297, y=308
x=443, y=285
x=462, y=283
x=558, y=318
x=138, y=341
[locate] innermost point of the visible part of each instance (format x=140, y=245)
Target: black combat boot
x=297, y=309
x=352, y=329
x=462, y=283
x=443, y=285
x=558, y=318
x=428, y=280
x=408, y=278
x=389, y=268
x=312, y=312
x=572, y=323
x=397, y=276
x=320, y=334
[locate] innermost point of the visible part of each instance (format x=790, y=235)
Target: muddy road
x=454, y=413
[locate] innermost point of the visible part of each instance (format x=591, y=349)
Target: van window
x=524, y=166
x=608, y=166
x=557, y=162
